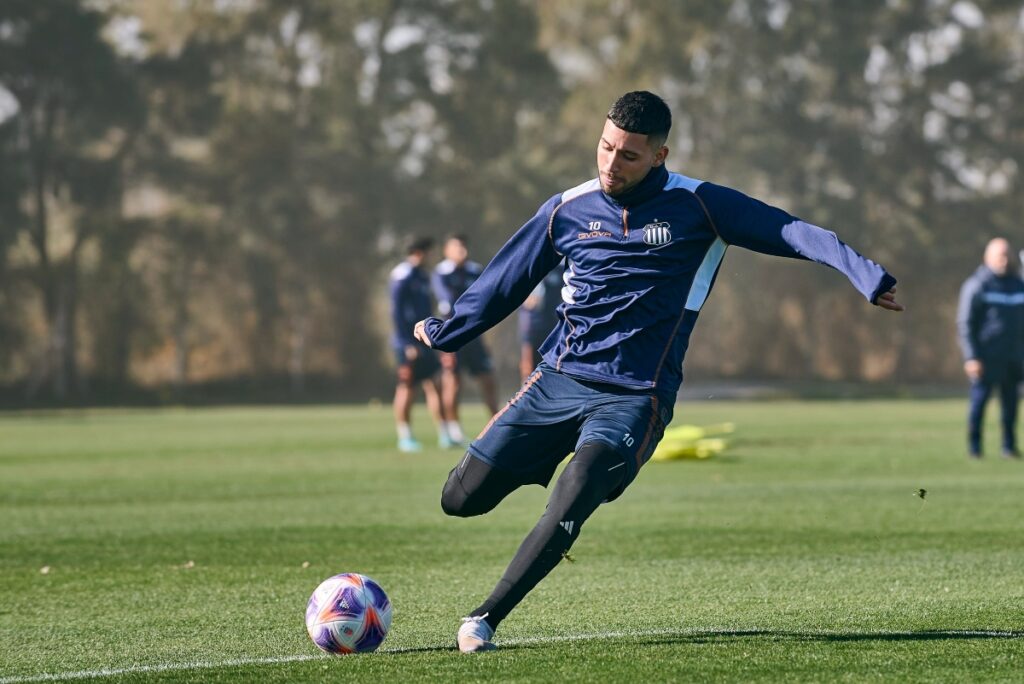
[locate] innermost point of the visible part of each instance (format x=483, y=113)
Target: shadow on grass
x=667, y=637
x=719, y=636
x=419, y=649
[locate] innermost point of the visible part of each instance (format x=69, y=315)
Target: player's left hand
x=887, y=300
x=420, y=333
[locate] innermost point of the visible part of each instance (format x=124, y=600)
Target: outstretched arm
x=510, y=276
x=747, y=222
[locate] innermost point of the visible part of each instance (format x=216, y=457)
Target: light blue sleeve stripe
x=569, y=291
x=1003, y=298
x=705, y=274
x=677, y=180
x=592, y=184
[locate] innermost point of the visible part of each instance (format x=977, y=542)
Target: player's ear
x=660, y=156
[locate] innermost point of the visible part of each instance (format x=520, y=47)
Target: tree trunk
x=63, y=339
x=183, y=276
x=58, y=345
x=297, y=353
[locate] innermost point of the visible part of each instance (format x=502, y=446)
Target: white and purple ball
x=348, y=613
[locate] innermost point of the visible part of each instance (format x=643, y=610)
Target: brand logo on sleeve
x=657, y=233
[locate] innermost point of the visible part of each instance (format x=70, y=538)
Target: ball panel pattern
x=348, y=613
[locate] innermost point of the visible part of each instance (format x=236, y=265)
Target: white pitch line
x=165, y=667
x=738, y=632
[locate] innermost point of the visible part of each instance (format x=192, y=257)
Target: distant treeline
x=210, y=194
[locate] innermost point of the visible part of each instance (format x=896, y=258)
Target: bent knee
x=474, y=488
x=458, y=503
x=454, y=499
x=452, y=502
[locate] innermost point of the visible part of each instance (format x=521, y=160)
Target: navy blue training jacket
x=990, y=318
x=639, y=268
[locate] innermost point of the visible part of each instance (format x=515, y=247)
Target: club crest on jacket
x=657, y=233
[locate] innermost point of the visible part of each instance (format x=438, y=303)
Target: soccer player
x=990, y=320
x=537, y=318
x=450, y=279
x=410, y=302
x=643, y=247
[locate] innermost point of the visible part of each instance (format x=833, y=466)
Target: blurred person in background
x=417, y=364
x=537, y=318
x=990, y=322
x=450, y=279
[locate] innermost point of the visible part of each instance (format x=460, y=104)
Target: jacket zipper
x=625, y=224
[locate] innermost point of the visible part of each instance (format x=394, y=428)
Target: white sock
x=454, y=430
x=404, y=431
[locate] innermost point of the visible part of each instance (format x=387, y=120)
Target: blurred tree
x=833, y=111
x=201, y=191
x=321, y=135
x=77, y=112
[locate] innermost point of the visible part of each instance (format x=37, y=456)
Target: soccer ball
x=348, y=613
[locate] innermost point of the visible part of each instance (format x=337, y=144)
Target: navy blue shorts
x=474, y=358
x=424, y=366
x=553, y=415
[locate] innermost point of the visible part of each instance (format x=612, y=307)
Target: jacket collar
x=650, y=186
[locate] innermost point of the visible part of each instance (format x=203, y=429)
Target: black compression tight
x=474, y=488
x=592, y=474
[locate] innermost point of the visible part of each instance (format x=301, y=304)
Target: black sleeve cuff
x=887, y=284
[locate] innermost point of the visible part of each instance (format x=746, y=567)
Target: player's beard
x=618, y=189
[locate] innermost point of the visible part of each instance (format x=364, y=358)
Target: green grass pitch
x=182, y=545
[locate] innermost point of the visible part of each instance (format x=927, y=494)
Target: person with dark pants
x=990, y=321
x=642, y=247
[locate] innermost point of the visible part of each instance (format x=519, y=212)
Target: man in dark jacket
x=990, y=320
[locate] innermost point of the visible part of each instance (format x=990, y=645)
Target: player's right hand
x=974, y=369
x=420, y=333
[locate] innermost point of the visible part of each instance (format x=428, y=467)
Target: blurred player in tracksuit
x=537, y=318
x=990, y=321
x=417, y=363
x=450, y=279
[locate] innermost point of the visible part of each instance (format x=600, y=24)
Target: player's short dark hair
x=642, y=112
x=460, y=237
x=419, y=244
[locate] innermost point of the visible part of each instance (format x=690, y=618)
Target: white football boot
x=475, y=635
